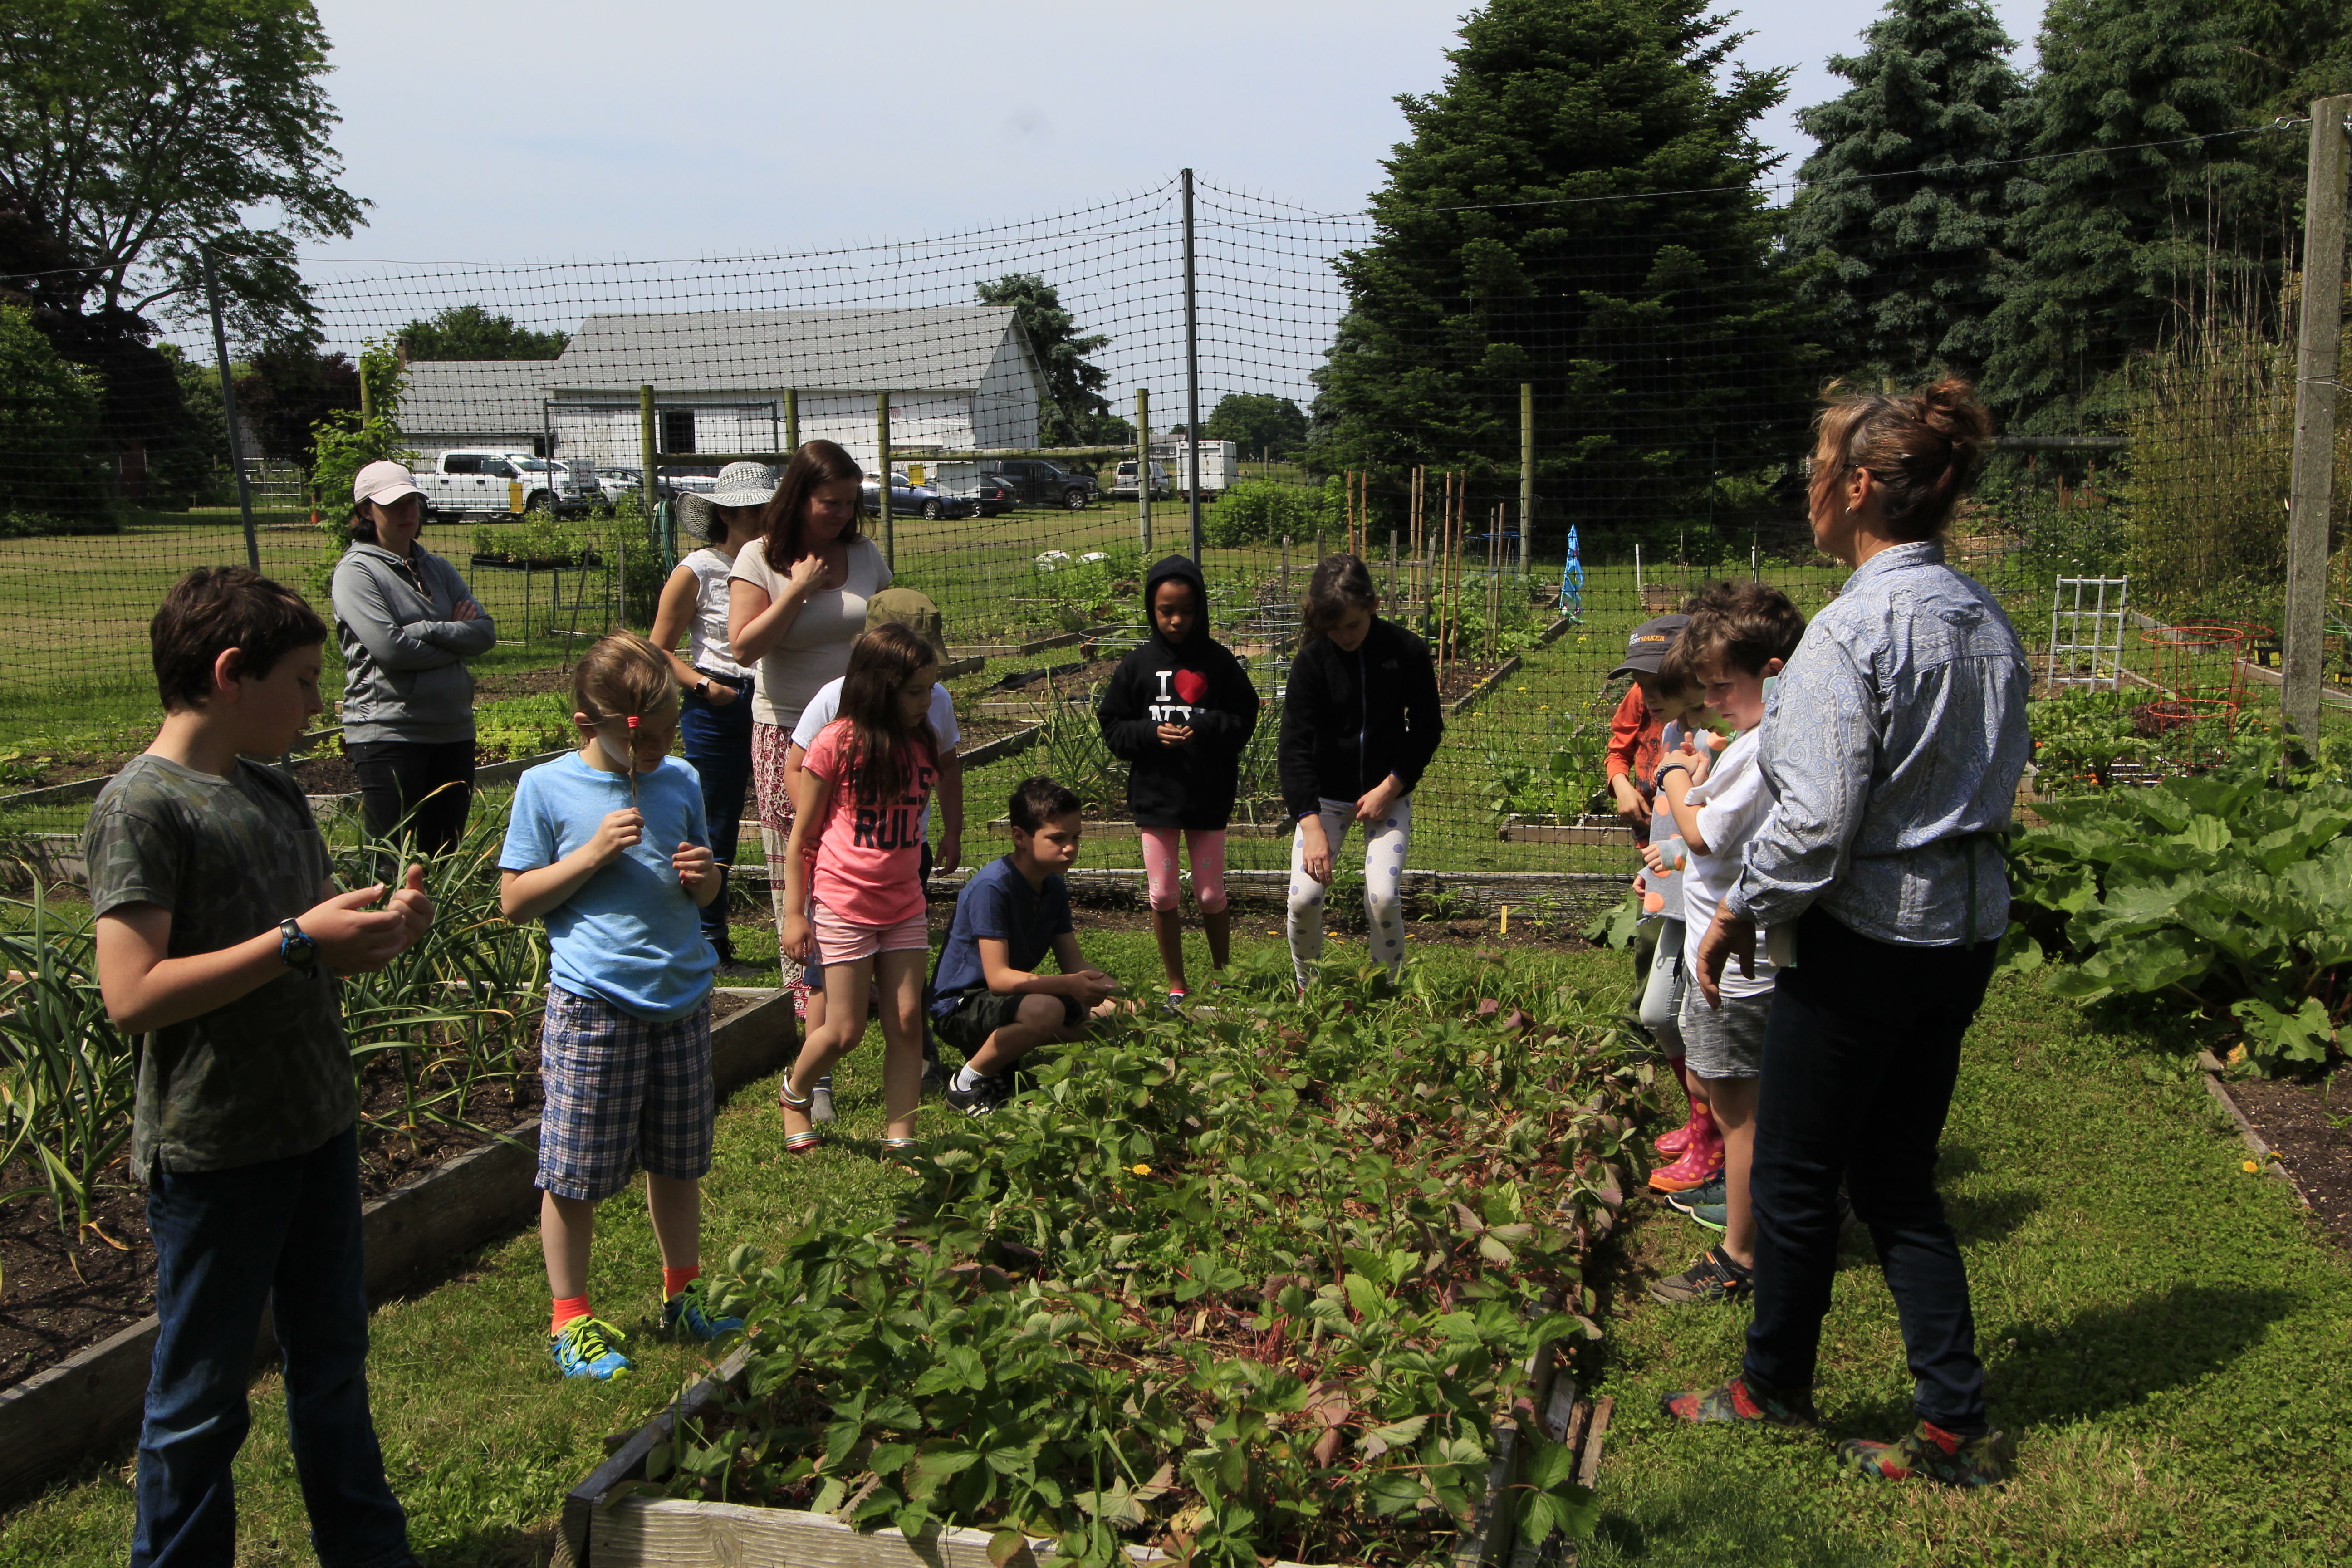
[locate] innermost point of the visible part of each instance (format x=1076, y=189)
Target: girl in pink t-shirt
x=857, y=817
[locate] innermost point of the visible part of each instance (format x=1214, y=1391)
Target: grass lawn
x=2165, y=1334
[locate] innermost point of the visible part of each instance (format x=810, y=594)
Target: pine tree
x=1076, y=413
x=1901, y=209
x=2154, y=195
x=1521, y=237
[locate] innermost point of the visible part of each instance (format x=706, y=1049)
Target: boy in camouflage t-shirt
x=218, y=938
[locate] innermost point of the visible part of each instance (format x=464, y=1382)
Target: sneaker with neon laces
x=1175, y=1003
x=584, y=1348
x=1939, y=1456
x=1738, y=1402
x=1714, y=1277
x=687, y=1312
x=1689, y=1198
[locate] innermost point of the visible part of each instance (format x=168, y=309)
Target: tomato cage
x=2200, y=683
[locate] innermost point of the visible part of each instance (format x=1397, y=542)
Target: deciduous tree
x=475, y=331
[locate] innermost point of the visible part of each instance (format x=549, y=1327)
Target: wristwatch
x=702, y=689
x=296, y=948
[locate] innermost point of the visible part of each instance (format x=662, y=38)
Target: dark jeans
x=719, y=744
x=286, y=1232
x=1860, y=1057
x=397, y=777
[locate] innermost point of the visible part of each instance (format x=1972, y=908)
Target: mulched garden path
x=2294, y=1119
x=60, y=1293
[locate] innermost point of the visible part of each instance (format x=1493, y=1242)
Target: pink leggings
x=1207, y=848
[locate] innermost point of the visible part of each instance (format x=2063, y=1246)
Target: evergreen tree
x=1900, y=211
x=2154, y=195
x=1577, y=209
x=1076, y=413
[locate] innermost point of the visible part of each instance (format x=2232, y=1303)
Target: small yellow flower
x=1143, y=1170
x=2250, y=1168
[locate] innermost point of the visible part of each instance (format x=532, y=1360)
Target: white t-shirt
x=706, y=635
x=817, y=648
x=825, y=707
x=1731, y=805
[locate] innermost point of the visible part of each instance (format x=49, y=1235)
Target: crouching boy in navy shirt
x=989, y=1002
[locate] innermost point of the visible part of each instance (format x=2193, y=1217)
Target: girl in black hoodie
x=1360, y=722
x=1180, y=709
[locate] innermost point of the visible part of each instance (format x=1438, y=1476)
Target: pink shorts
x=838, y=942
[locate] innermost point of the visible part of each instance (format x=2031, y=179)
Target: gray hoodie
x=404, y=677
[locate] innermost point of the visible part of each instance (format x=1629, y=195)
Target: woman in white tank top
x=717, y=721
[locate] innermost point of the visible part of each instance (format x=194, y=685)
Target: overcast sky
x=521, y=130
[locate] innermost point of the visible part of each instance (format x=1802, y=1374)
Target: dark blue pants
x=1860, y=1057
x=719, y=744
x=286, y=1233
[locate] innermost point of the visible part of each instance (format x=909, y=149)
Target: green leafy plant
x=67, y=1074
x=2080, y=736
x=1072, y=748
x=1258, y=1289
x=2230, y=889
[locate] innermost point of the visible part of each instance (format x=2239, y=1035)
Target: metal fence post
x=228, y=407
x=1527, y=474
x=1191, y=378
x=2317, y=367
x=1143, y=467
x=882, y=479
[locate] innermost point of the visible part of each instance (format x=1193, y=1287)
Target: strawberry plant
x=1256, y=1288
x=2230, y=889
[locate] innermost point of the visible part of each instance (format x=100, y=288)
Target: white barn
x=960, y=376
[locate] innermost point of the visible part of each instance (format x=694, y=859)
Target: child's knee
x=1038, y=1011
x=1162, y=898
x=1212, y=902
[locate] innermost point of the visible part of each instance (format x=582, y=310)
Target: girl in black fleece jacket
x=1180, y=709
x=1359, y=722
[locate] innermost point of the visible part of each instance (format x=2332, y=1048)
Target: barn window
x=677, y=430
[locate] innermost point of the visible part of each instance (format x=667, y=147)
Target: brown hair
x=1340, y=583
x=1038, y=800
x=881, y=751
x=1747, y=624
x=622, y=676
x=360, y=524
x=214, y=608
x=817, y=463
x=1924, y=449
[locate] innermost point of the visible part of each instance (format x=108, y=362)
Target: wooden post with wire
x=882, y=480
x=1143, y=467
x=2317, y=367
x=792, y=419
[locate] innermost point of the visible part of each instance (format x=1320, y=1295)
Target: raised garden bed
x=1604, y=830
x=1463, y=686
x=581, y=561
x=50, y=1421
x=1343, y=1242
x=1002, y=827
x=1017, y=650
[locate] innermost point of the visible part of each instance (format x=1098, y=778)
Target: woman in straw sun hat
x=717, y=722
x=406, y=623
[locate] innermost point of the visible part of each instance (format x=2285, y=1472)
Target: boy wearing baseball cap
x=1634, y=730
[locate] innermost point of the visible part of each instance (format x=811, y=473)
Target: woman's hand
x=1372, y=806
x=464, y=610
x=1314, y=850
x=1731, y=936
x=806, y=574
x=720, y=695
x=799, y=941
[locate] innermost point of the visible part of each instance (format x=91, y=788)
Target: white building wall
x=1005, y=407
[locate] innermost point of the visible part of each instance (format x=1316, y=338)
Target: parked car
x=1043, y=483
x=1122, y=482
x=910, y=500
x=617, y=482
x=491, y=484
x=994, y=494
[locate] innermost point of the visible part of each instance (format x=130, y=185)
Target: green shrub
x=1262, y=512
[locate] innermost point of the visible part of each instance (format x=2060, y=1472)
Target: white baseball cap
x=383, y=483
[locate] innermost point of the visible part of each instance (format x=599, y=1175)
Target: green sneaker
x=1714, y=1216
x=584, y=1348
x=1735, y=1402
x=1932, y=1452
x=685, y=1313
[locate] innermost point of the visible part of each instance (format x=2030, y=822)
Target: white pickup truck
x=494, y=484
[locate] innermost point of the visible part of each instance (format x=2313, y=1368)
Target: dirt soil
x=60, y=1293
x=2292, y=1119
x=1456, y=680
x=522, y=683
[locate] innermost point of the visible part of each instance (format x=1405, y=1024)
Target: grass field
x=2164, y=1334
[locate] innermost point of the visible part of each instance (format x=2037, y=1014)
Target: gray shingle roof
x=462, y=396
x=929, y=348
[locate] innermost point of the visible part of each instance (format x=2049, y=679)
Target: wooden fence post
x=2316, y=368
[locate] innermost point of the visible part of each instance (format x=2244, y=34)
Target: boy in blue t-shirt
x=987, y=1001
x=625, y=1055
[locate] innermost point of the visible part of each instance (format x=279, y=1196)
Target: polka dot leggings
x=1384, y=851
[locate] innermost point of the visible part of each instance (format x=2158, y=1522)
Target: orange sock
x=676, y=1279
x=566, y=1309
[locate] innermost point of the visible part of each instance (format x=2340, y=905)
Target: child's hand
x=1653, y=860
x=353, y=939
x=619, y=831
x=1630, y=804
x=948, y=854
x=1314, y=849
x=1095, y=986
x=1372, y=806
x=415, y=908
x=1175, y=735
x=694, y=863
x=799, y=939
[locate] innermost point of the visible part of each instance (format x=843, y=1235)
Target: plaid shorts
x=621, y=1093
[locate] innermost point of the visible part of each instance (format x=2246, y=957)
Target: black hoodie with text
x=1198, y=683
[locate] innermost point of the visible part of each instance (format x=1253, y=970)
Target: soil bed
x=1455, y=680
x=2292, y=1119
x=60, y=1293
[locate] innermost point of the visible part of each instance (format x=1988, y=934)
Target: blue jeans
x=1860, y=1053
x=285, y=1232
x=719, y=744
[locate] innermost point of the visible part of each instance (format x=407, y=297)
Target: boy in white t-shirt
x=1740, y=635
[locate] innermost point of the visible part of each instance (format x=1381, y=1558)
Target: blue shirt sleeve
x=530, y=834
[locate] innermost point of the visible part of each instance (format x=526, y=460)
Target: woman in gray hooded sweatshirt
x=406, y=623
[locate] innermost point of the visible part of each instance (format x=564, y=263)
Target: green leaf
x=1368, y=1299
